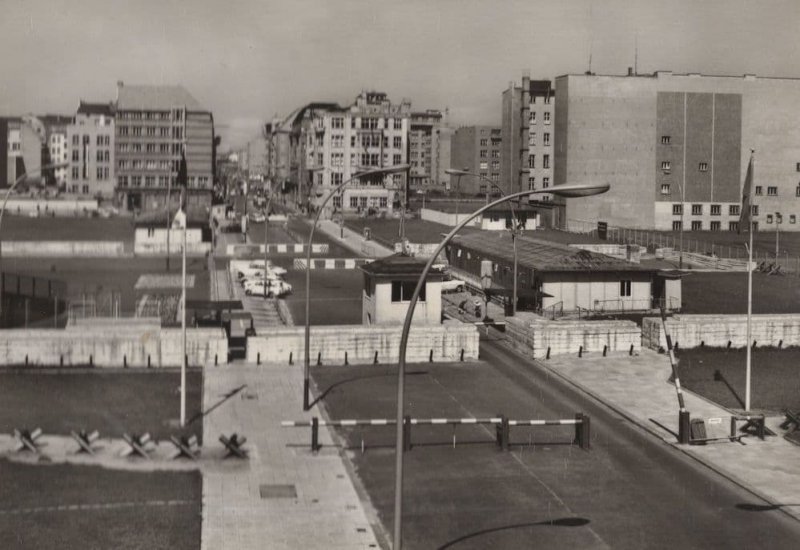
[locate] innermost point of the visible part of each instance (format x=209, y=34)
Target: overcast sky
x=247, y=60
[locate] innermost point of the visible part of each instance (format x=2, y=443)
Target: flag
x=747, y=191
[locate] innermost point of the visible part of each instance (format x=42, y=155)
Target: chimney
x=120, y=84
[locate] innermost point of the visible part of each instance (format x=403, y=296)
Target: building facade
x=427, y=155
x=477, y=149
x=90, y=143
x=23, y=145
x=528, y=136
x=332, y=144
x=155, y=125
x=675, y=148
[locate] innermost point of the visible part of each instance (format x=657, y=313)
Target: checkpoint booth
x=228, y=314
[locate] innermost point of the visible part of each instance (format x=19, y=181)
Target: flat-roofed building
x=90, y=139
x=476, y=149
x=675, y=147
x=154, y=126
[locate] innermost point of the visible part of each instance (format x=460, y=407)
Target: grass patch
x=775, y=384
x=113, y=401
x=137, y=521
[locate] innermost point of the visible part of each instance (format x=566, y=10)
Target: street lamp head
x=457, y=172
x=384, y=170
x=576, y=190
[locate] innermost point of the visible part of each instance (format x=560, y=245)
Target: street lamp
x=19, y=180
x=569, y=191
x=683, y=208
x=514, y=227
x=374, y=172
x=778, y=221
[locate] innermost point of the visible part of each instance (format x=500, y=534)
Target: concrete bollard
x=216, y=360
x=605, y=350
x=580, y=351
x=548, y=353
x=406, y=433
x=125, y=361
x=346, y=362
x=61, y=361
x=315, y=446
x=502, y=431
x=631, y=350
x=291, y=354
x=91, y=360
x=375, y=360
x=26, y=359
x=780, y=344
x=684, y=427
x=462, y=355
x=319, y=358
x=430, y=357
x=148, y=362
x=583, y=431
x=258, y=358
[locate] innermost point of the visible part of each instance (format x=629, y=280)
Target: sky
x=249, y=60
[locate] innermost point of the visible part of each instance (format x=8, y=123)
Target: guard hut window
x=625, y=288
x=403, y=290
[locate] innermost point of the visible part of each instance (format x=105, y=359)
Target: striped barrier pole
x=684, y=417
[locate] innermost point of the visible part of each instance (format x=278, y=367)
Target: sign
x=602, y=230
x=715, y=421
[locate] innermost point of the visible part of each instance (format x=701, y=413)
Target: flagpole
x=184, y=358
x=749, y=318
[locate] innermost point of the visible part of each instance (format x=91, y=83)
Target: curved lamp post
x=574, y=191
x=514, y=227
x=306, y=361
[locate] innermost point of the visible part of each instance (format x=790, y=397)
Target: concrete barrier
x=362, y=343
x=112, y=345
x=63, y=249
x=531, y=334
x=160, y=249
x=331, y=263
x=61, y=207
x=237, y=250
x=689, y=331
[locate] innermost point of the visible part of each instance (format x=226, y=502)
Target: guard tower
x=388, y=286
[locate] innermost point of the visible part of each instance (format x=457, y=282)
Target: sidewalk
x=637, y=387
x=354, y=241
x=283, y=496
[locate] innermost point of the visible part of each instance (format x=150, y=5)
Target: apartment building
x=332, y=144
x=476, y=149
x=154, y=126
x=675, y=148
x=22, y=151
x=90, y=144
x=428, y=149
x=528, y=137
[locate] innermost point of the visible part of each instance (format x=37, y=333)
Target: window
x=85, y=189
x=665, y=189
x=337, y=201
x=136, y=131
x=733, y=226
x=164, y=148
x=99, y=173
x=531, y=183
x=337, y=159
x=665, y=140
x=337, y=141
x=484, y=165
x=676, y=225
x=733, y=210
x=398, y=124
x=715, y=226
x=353, y=202
x=123, y=181
x=666, y=165
x=495, y=165
x=149, y=181
x=484, y=142
x=121, y=131
x=397, y=159
x=362, y=202
x=369, y=123
x=677, y=209
x=546, y=161
x=76, y=172
x=533, y=121
x=495, y=154
x=697, y=225
x=532, y=138
x=697, y=210
x=703, y=167
x=754, y=210
x=136, y=147
x=337, y=122
x=769, y=218
x=99, y=140
x=397, y=141
x=532, y=161
x=546, y=118
x=164, y=132
x=797, y=167
x=797, y=191
x=772, y=191
x=136, y=181
x=75, y=155
x=759, y=190
x=545, y=182
x=716, y=209
x=792, y=218
x=76, y=140
x=625, y=288
x=383, y=202
x=403, y=290
x=495, y=176
x=484, y=154
x=546, y=138
x=336, y=178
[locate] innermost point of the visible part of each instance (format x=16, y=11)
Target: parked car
x=259, y=264
x=257, y=217
x=273, y=288
x=453, y=285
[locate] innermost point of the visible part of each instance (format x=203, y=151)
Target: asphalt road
x=335, y=296
x=630, y=491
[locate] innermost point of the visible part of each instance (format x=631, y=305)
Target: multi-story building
x=22, y=150
x=154, y=126
x=278, y=155
x=425, y=151
x=675, y=148
x=90, y=140
x=528, y=137
x=331, y=144
x=58, y=147
x=478, y=150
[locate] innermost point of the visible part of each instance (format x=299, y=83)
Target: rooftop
x=542, y=255
x=397, y=264
x=86, y=108
x=155, y=98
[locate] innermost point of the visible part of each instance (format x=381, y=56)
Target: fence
x=652, y=240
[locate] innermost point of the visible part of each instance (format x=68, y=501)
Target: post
x=184, y=358
x=749, y=353
x=514, y=243
x=169, y=222
x=266, y=229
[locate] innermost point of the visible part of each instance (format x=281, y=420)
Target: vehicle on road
x=454, y=285
x=259, y=277
x=274, y=288
x=257, y=217
x=259, y=264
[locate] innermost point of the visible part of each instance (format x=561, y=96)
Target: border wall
x=691, y=331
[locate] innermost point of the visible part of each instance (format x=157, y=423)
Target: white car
x=259, y=264
x=257, y=217
x=453, y=285
x=273, y=288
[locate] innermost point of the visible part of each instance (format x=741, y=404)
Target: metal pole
x=514, y=302
x=184, y=358
x=566, y=190
x=169, y=221
x=749, y=318
x=266, y=241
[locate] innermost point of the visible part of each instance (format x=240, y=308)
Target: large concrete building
x=476, y=149
x=330, y=144
x=429, y=150
x=155, y=124
x=90, y=139
x=528, y=136
x=57, y=147
x=675, y=148
x=22, y=150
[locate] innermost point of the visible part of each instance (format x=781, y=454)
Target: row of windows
x=150, y=131
x=715, y=209
x=545, y=161
x=545, y=117
x=362, y=202
x=545, y=138
x=147, y=165
x=100, y=140
x=150, y=115
x=150, y=181
x=102, y=173
x=369, y=123
x=666, y=166
x=495, y=165
x=161, y=148
x=532, y=183
x=772, y=190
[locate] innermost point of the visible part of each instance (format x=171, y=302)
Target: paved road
x=635, y=491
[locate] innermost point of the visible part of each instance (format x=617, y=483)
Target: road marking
x=105, y=506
